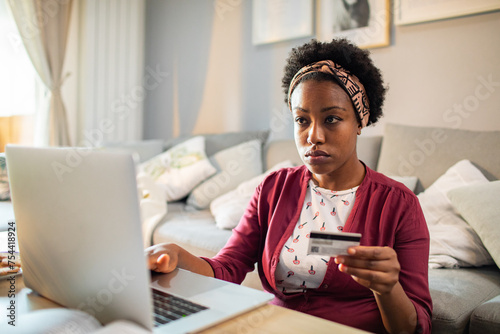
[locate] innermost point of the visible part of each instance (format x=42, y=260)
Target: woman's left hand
x=376, y=268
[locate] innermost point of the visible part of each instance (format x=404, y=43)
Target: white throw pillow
x=479, y=206
x=228, y=208
x=153, y=205
x=453, y=242
x=181, y=168
x=236, y=164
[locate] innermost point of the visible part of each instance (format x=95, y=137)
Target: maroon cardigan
x=385, y=212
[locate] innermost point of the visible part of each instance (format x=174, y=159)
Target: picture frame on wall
x=418, y=11
x=366, y=23
x=281, y=20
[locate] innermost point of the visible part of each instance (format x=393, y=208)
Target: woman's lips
x=316, y=156
x=316, y=153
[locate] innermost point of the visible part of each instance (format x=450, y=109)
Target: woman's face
x=325, y=131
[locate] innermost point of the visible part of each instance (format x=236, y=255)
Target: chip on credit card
x=331, y=243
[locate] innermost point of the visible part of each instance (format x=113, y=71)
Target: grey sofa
x=466, y=300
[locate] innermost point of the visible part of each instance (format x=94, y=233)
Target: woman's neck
x=347, y=177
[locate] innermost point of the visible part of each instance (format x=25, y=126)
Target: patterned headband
x=351, y=84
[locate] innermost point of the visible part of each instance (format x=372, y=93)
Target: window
x=19, y=86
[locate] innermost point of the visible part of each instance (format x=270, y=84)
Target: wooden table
x=272, y=319
x=265, y=319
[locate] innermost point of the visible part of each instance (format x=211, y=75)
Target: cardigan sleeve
x=412, y=247
x=390, y=215
x=242, y=250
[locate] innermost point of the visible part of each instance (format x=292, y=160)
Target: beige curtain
x=43, y=26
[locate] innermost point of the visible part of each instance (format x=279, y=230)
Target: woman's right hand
x=162, y=258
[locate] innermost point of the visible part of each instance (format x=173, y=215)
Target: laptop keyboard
x=168, y=308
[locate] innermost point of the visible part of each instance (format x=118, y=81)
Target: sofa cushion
x=453, y=241
x=457, y=292
x=235, y=165
x=194, y=229
x=181, y=168
x=486, y=318
x=428, y=152
x=478, y=205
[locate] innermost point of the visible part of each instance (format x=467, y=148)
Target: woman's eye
x=300, y=120
x=331, y=119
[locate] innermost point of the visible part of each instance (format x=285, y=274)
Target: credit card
x=331, y=243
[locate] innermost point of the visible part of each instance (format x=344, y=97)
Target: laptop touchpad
x=184, y=283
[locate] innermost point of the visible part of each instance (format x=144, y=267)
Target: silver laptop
x=79, y=233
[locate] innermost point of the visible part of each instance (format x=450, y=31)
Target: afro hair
x=347, y=55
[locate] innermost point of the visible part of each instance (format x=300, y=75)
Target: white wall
x=436, y=73
x=221, y=82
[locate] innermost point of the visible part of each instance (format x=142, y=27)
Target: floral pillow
x=180, y=169
x=4, y=179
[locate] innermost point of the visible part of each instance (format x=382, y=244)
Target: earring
x=359, y=131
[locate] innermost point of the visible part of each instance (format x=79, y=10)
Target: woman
x=333, y=90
